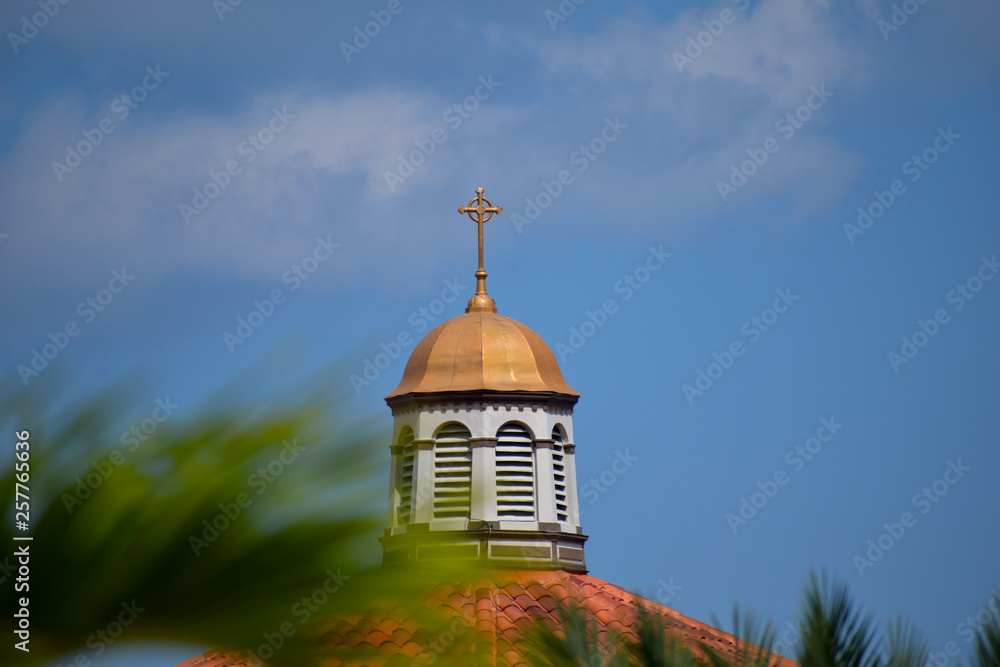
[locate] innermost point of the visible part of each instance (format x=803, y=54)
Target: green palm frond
x=755, y=637
x=906, y=646
x=574, y=643
x=986, y=646
x=225, y=529
x=835, y=632
x=654, y=645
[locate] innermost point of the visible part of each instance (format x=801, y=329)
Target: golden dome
x=482, y=350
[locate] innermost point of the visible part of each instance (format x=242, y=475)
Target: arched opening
x=452, y=472
x=515, y=473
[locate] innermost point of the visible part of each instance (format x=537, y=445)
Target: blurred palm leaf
x=837, y=634
x=215, y=530
x=986, y=647
x=653, y=646
x=754, y=641
x=907, y=647
x=575, y=643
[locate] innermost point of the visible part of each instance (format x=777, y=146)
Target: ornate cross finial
x=483, y=210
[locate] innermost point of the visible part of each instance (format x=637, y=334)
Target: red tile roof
x=217, y=659
x=498, y=611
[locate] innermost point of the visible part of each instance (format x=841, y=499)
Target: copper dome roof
x=481, y=350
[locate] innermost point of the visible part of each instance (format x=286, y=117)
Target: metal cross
x=482, y=206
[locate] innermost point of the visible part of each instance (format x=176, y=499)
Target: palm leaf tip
x=986, y=644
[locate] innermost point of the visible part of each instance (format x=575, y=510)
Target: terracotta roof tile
x=409, y=649
x=497, y=612
x=502, y=600
x=399, y=614
x=548, y=604
x=216, y=659
x=616, y=626
x=524, y=601
x=399, y=660
x=399, y=636
x=538, y=591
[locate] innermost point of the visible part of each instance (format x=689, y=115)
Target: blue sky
x=177, y=162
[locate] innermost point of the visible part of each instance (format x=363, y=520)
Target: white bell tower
x=483, y=451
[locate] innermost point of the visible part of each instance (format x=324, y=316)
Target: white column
x=569, y=452
x=484, y=479
x=395, y=479
x=422, y=500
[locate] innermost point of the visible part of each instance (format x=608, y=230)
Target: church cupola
x=483, y=455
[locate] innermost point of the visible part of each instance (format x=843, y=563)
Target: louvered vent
x=452, y=472
x=515, y=473
x=559, y=472
x=406, y=481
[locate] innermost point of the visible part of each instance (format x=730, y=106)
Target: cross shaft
x=480, y=210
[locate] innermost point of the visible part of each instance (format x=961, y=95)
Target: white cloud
x=325, y=174
x=696, y=121
x=778, y=51
x=122, y=203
